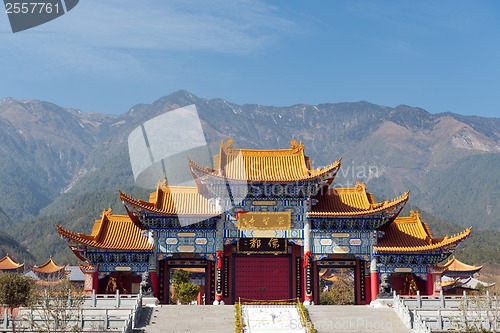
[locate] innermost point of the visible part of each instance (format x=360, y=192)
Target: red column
x=154, y=283
x=374, y=283
x=430, y=284
x=95, y=281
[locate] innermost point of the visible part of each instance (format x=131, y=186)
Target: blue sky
x=107, y=55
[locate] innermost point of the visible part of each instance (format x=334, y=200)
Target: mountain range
x=63, y=165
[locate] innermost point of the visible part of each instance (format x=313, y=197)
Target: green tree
x=180, y=276
x=15, y=290
x=185, y=291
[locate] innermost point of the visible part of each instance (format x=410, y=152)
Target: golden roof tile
x=48, y=267
x=410, y=234
x=112, y=232
x=260, y=165
x=175, y=200
x=351, y=202
x=6, y=263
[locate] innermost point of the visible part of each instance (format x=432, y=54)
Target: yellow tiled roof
x=256, y=165
x=350, y=202
x=410, y=234
x=175, y=200
x=112, y=232
x=456, y=265
x=48, y=267
x=6, y=263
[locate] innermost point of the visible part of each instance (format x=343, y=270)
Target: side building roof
x=455, y=267
x=111, y=232
x=355, y=201
x=48, y=267
x=7, y=264
x=409, y=234
x=173, y=200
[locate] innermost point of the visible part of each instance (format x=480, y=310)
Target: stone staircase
x=215, y=319
x=355, y=318
x=187, y=318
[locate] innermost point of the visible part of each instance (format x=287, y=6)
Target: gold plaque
x=264, y=221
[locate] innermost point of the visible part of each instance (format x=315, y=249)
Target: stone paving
x=268, y=319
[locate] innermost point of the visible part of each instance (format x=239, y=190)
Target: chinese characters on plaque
x=264, y=221
x=263, y=245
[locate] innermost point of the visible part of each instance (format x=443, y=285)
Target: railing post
x=94, y=299
x=117, y=298
x=32, y=319
x=441, y=299
x=419, y=299
x=409, y=319
x=440, y=319
x=106, y=319
x=465, y=299
x=5, y=319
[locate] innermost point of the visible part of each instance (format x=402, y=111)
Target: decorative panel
x=420, y=271
x=294, y=233
x=353, y=242
x=182, y=241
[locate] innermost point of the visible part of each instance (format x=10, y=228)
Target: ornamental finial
x=227, y=146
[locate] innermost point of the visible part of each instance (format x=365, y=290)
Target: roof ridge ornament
x=227, y=146
x=416, y=214
x=360, y=186
x=162, y=183
x=296, y=147
x=107, y=212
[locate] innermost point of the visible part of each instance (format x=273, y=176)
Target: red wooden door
x=263, y=277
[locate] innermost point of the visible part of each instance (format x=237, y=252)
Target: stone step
x=187, y=318
x=355, y=318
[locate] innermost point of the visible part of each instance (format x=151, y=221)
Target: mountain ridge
x=53, y=157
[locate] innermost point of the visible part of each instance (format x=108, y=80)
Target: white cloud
x=117, y=35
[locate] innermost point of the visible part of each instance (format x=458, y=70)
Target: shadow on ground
x=146, y=317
